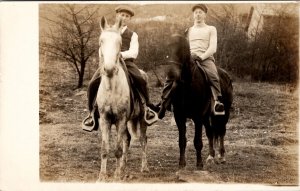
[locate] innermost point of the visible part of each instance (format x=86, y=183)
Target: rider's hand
x=195, y=57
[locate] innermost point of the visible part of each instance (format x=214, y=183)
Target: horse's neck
x=186, y=73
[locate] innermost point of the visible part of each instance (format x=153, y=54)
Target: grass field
x=261, y=141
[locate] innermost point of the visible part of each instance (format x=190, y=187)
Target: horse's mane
x=181, y=49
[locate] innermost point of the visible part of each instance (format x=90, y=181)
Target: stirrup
x=153, y=119
x=89, y=128
x=218, y=112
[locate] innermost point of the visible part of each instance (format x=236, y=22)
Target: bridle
x=116, y=70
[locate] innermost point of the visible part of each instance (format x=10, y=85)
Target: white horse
x=113, y=101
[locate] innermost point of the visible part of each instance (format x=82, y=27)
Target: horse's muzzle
x=109, y=72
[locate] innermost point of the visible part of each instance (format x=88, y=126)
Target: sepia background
x=257, y=45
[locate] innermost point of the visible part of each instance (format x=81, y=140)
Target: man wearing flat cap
x=200, y=6
x=203, y=44
x=125, y=9
x=129, y=52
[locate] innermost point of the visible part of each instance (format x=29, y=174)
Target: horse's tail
x=226, y=88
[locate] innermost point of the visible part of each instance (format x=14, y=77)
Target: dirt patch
x=261, y=141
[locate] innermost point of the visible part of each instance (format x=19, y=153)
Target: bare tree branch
x=72, y=35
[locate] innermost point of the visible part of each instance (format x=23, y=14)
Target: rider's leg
x=91, y=95
x=212, y=73
x=138, y=82
x=173, y=74
x=169, y=87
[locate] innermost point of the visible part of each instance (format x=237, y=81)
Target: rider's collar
x=123, y=29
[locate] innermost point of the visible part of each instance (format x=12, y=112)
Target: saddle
x=212, y=102
x=136, y=100
x=198, y=63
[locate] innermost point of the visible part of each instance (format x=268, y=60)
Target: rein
x=123, y=63
x=173, y=62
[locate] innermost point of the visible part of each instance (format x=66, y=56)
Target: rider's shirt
x=199, y=39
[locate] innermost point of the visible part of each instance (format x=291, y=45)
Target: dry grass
x=261, y=142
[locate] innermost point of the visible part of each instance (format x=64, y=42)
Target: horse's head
x=179, y=49
x=110, y=46
x=178, y=54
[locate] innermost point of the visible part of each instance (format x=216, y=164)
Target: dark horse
x=192, y=99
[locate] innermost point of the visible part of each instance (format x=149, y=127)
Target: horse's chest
x=112, y=103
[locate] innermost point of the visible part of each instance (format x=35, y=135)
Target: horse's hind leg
x=221, y=147
x=210, y=137
x=143, y=142
x=126, y=144
x=182, y=140
x=105, y=131
x=219, y=128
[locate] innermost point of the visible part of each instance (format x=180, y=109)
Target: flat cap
x=200, y=6
x=125, y=9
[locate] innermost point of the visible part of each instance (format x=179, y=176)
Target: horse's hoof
x=119, y=153
x=182, y=166
x=102, y=178
x=117, y=178
x=145, y=169
x=210, y=160
x=199, y=166
x=128, y=177
x=182, y=162
x=220, y=159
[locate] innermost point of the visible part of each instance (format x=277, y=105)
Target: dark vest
x=126, y=39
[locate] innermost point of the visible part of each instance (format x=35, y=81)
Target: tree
x=277, y=47
x=71, y=35
x=233, y=50
x=270, y=53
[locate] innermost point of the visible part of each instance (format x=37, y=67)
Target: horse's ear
x=103, y=23
x=118, y=23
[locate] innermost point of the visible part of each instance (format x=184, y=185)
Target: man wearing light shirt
x=203, y=44
x=129, y=52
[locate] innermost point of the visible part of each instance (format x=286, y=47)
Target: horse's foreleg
x=105, y=131
x=182, y=140
x=198, y=144
x=143, y=142
x=126, y=143
x=121, y=134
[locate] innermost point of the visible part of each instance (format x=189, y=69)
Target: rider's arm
x=133, y=48
x=212, y=48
